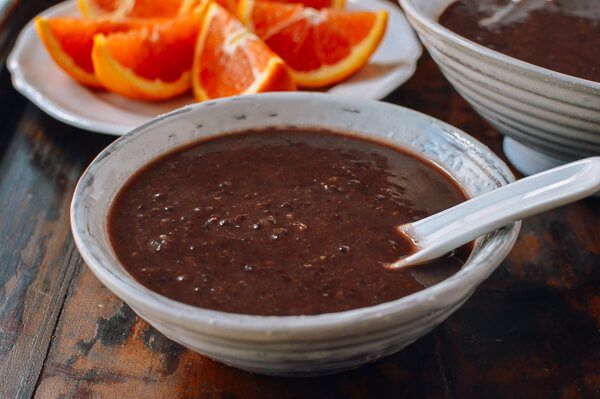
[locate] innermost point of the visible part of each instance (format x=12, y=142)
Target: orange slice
x=69, y=42
x=129, y=8
x=232, y=5
x=230, y=60
x=321, y=47
x=188, y=6
x=318, y=4
x=150, y=64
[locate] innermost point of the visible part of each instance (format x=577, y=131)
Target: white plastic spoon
x=439, y=234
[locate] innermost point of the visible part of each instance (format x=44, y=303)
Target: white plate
x=38, y=78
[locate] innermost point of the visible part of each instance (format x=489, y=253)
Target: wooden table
x=530, y=331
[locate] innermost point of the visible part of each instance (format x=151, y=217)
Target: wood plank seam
x=72, y=265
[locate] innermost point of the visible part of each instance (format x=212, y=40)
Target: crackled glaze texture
x=292, y=345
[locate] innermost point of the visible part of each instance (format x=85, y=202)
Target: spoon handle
x=438, y=234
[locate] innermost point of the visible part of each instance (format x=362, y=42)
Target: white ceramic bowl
x=549, y=117
x=291, y=345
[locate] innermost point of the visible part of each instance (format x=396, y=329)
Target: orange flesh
x=122, y=8
x=318, y=4
x=76, y=36
x=305, y=45
x=107, y=5
x=190, y=5
x=226, y=72
x=231, y=5
x=155, y=8
x=76, y=39
x=239, y=73
x=164, y=51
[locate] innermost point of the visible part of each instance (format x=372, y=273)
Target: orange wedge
x=129, y=8
x=149, y=64
x=232, y=5
x=69, y=42
x=188, y=6
x=322, y=47
x=318, y=4
x=230, y=60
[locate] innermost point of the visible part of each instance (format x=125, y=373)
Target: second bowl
x=548, y=117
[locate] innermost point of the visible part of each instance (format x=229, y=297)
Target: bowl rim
x=216, y=323
x=410, y=7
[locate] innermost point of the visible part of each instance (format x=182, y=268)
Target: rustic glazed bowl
x=291, y=345
x=548, y=117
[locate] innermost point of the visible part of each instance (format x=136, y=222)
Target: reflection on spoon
x=438, y=234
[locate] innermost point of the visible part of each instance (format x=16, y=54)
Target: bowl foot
x=527, y=160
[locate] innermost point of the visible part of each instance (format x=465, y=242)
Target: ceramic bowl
x=291, y=345
x=548, y=117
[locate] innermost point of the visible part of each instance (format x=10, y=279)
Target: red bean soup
x=561, y=35
x=280, y=222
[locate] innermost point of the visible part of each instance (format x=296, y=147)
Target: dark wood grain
x=532, y=330
x=36, y=254
x=36, y=184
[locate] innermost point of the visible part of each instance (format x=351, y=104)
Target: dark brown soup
x=562, y=35
x=279, y=222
